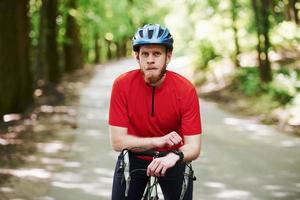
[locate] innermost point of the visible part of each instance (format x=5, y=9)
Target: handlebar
x=147, y=152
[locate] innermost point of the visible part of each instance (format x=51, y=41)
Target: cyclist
x=154, y=108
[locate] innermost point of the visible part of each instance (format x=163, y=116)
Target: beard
x=153, y=76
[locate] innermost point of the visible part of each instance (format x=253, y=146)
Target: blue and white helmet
x=152, y=34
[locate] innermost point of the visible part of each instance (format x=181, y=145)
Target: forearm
x=129, y=141
x=120, y=139
x=191, y=148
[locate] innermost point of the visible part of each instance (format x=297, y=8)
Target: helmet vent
x=141, y=33
x=150, y=34
x=160, y=32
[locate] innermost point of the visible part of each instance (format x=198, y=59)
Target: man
x=154, y=108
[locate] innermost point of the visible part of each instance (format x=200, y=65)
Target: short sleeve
x=118, y=114
x=190, y=116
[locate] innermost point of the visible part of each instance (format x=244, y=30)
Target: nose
x=150, y=59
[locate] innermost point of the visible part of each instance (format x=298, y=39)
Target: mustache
x=151, y=68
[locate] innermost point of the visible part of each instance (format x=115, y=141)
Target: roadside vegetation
x=247, y=57
x=43, y=40
x=48, y=51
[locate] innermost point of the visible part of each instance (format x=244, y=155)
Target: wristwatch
x=179, y=153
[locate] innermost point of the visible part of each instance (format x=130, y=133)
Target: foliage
x=206, y=53
x=248, y=81
x=206, y=29
x=213, y=28
x=284, y=87
x=285, y=35
x=34, y=13
x=113, y=21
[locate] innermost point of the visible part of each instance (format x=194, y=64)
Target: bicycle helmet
x=152, y=34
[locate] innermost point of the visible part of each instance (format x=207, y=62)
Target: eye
x=145, y=54
x=157, y=54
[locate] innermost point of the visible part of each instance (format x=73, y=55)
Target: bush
x=284, y=87
x=206, y=52
x=248, y=81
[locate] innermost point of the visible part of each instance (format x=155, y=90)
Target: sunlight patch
x=72, y=164
x=105, y=180
x=68, y=177
x=37, y=173
x=280, y=194
x=103, y=171
x=214, y=184
x=89, y=188
x=272, y=187
x=52, y=147
x=11, y=117
x=46, y=198
x=232, y=121
x=289, y=143
x=92, y=132
x=6, y=189
x=53, y=161
x=233, y=194
x=70, y=185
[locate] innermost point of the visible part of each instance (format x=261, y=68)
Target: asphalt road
x=241, y=159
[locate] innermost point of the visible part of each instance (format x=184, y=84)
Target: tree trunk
x=234, y=10
x=257, y=20
x=109, y=51
x=287, y=13
x=119, y=49
x=124, y=47
x=72, y=45
x=97, y=48
x=47, y=54
x=266, y=67
x=41, y=61
x=51, y=35
x=15, y=73
x=294, y=10
x=263, y=43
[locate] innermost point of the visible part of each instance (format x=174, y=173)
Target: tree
x=261, y=13
x=234, y=14
x=51, y=36
x=291, y=11
x=97, y=48
x=72, y=45
x=47, y=55
x=15, y=74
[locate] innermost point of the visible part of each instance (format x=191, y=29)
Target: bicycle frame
x=150, y=192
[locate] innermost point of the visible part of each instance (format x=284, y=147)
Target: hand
x=170, y=140
x=159, y=166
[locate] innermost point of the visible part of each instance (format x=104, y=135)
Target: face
x=153, y=61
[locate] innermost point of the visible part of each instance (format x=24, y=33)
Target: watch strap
x=179, y=153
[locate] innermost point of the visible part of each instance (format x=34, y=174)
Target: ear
x=136, y=54
x=168, y=56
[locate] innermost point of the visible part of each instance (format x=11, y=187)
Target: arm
x=191, y=150
x=121, y=140
x=192, y=147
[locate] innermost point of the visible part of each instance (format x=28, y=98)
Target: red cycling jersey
x=148, y=111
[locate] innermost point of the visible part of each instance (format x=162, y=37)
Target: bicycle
x=151, y=191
